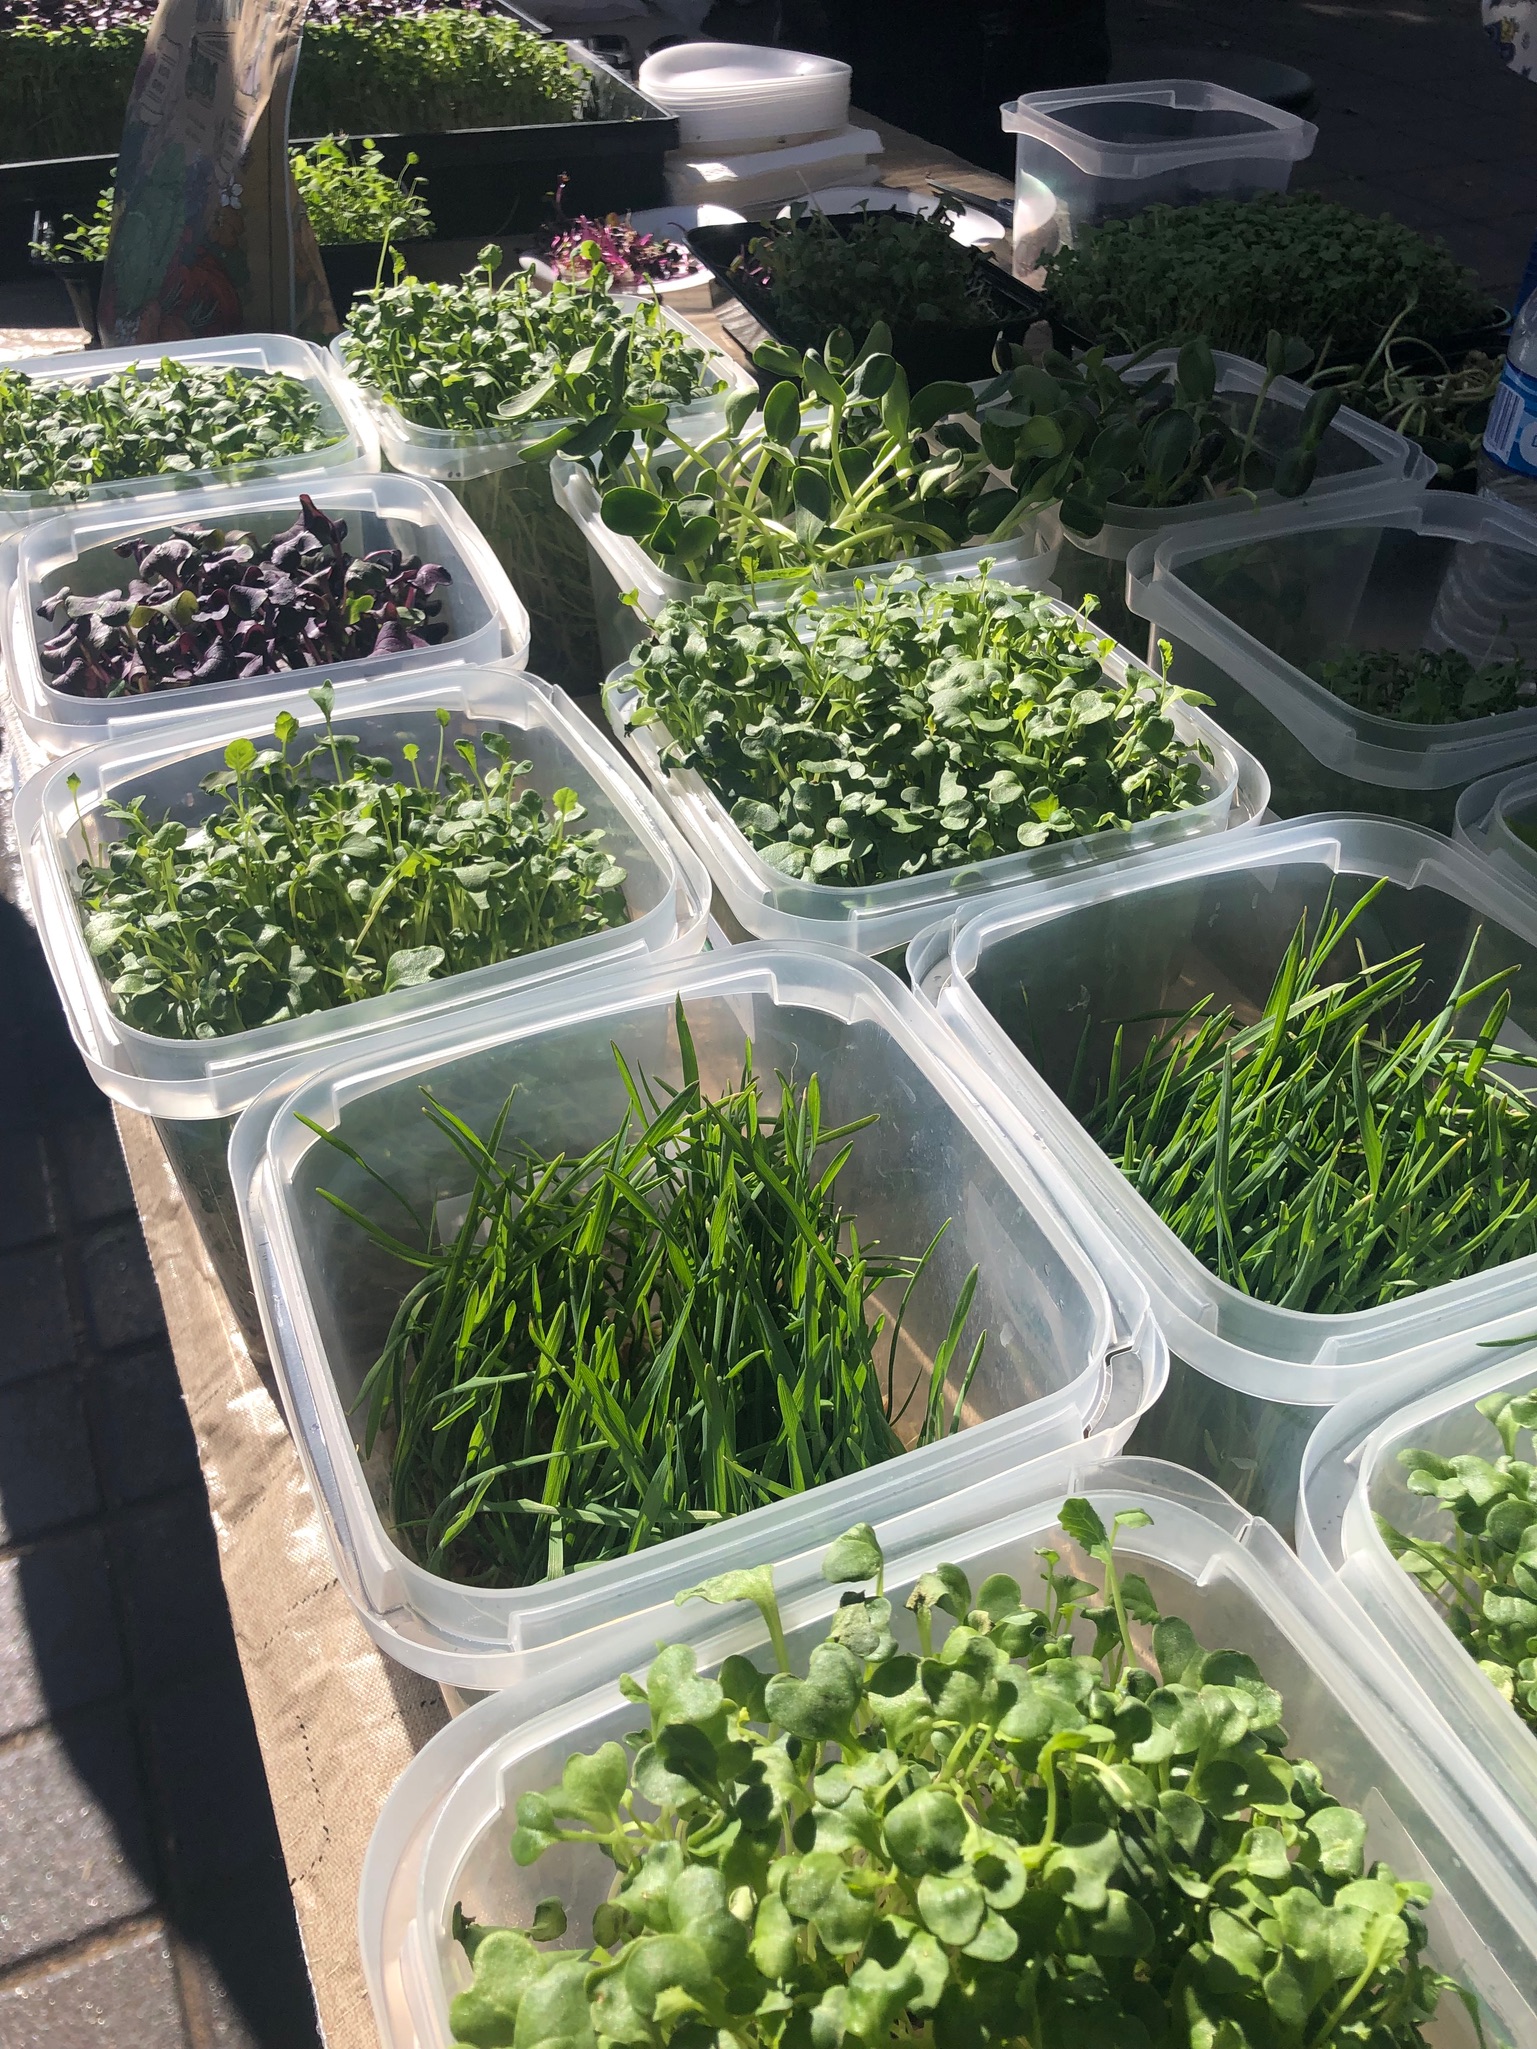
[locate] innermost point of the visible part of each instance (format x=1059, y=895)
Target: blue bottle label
x=1511, y=435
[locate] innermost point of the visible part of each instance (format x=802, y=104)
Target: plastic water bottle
x=1507, y=465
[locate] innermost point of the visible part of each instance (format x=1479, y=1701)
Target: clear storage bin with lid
x=1497, y=821
x=442, y=1838
x=629, y=587
x=1360, y=463
x=880, y=916
x=1351, y=1476
x=485, y=618
x=350, y=443
x=194, y=1087
x=1251, y=611
x=510, y=501
x=1054, y=967
x=1111, y=150
x=1069, y=1339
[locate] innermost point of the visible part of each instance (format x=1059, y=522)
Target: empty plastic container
x=1250, y=609
x=353, y=445
x=1108, y=151
x=1046, y=966
x=741, y=93
x=442, y=1836
x=1069, y=1337
x=485, y=617
x=193, y=1087
x=1350, y=1476
x=882, y=915
x=509, y=501
x=628, y=585
x=1359, y=464
x=1497, y=821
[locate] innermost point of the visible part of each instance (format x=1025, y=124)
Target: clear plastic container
x=511, y=503
x=442, y=1836
x=1350, y=1476
x=1494, y=819
x=355, y=448
x=485, y=617
x=1360, y=463
x=1248, y=1381
x=665, y=887
x=1067, y=1326
x=873, y=919
x=627, y=583
x=1108, y=151
x=1249, y=609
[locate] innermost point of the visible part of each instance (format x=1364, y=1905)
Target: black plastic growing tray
x=480, y=182
x=926, y=351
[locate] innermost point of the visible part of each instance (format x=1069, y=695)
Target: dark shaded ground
x=143, y=1899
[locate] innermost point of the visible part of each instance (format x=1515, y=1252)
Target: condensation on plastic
x=442, y=1836
x=873, y=919
x=1070, y=1339
x=1350, y=1476
x=1108, y=151
x=486, y=619
x=355, y=449
x=1248, y=1380
x=452, y=454
x=666, y=888
x=1488, y=814
x=1250, y=609
x=625, y=579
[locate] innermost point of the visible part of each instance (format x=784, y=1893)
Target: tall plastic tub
x=510, y=500
x=486, y=619
x=442, y=1836
x=1250, y=609
x=883, y=915
x=1248, y=1381
x=1107, y=151
x=194, y=1088
x=352, y=445
x=1070, y=1340
x=1350, y=1476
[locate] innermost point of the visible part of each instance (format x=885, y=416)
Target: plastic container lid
x=1159, y=124
x=356, y=446
x=1359, y=462
x=1304, y=582
x=1065, y=1320
x=666, y=888
x=772, y=905
x=709, y=73
x=1488, y=815
x=442, y=1836
x=1350, y=1476
x=486, y=618
x=1154, y=934
x=452, y=454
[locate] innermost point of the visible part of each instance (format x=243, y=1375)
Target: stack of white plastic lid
x=756, y=125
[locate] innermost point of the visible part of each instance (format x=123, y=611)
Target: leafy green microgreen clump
x=79, y=241
x=1483, y=1576
x=911, y=726
x=1335, y=1154
x=329, y=878
x=1231, y=270
x=61, y=437
x=350, y=197
x=1427, y=688
x=878, y=473
x=1003, y=1838
x=670, y=1330
x=903, y=269
x=479, y=355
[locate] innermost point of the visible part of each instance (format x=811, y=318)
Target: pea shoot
x=1042, y=1819
x=335, y=876
x=676, y=1327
